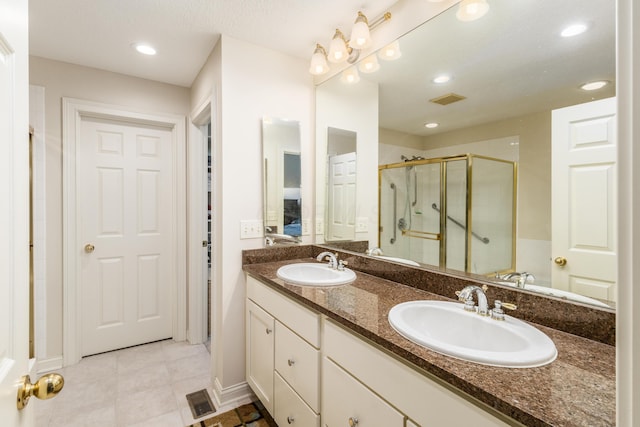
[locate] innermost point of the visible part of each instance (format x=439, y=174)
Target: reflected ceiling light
x=390, y=52
x=360, y=35
x=574, y=30
x=350, y=76
x=470, y=10
x=341, y=50
x=319, y=64
x=599, y=84
x=369, y=64
x=431, y=125
x=443, y=78
x=144, y=48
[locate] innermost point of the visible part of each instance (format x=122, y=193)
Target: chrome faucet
x=520, y=278
x=374, y=251
x=466, y=295
x=333, y=258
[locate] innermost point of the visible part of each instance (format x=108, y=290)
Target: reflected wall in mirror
x=511, y=69
x=340, y=221
x=282, y=177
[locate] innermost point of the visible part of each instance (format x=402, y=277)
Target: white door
x=14, y=232
x=342, y=197
x=584, y=150
x=125, y=199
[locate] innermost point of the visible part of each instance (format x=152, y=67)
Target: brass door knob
x=45, y=388
x=561, y=261
x=88, y=248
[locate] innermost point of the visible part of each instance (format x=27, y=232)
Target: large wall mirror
x=282, y=180
x=490, y=86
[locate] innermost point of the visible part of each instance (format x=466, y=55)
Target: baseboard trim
x=224, y=396
x=47, y=365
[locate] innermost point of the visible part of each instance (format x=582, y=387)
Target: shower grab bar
x=395, y=211
x=484, y=240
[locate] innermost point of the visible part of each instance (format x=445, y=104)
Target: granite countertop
x=577, y=389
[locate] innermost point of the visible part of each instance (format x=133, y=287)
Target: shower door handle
x=395, y=212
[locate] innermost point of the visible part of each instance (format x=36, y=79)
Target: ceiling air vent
x=447, y=99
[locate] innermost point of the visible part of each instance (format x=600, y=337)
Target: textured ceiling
x=99, y=33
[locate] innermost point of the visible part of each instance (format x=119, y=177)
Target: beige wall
x=534, y=167
x=242, y=93
x=67, y=80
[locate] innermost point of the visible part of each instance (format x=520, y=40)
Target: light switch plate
x=306, y=227
x=251, y=229
x=362, y=224
x=319, y=226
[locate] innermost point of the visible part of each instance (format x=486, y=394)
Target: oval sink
x=315, y=274
x=447, y=328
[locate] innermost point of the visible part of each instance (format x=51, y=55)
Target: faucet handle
x=342, y=264
x=498, y=313
x=508, y=305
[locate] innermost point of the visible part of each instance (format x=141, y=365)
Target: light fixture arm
x=380, y=20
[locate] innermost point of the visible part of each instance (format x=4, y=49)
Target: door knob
x=45, y=388
x=561, y=261
x=88, y=248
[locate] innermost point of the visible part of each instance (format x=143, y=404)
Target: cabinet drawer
x=345, y=401
x=301, y=320
x=298, y=363
x=290, y=409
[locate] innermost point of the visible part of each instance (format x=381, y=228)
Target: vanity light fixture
x=470, y=10
x=144, y=48
x=342, y=50
x=338, y=49
x=431, y=125
x=391, y=52
x=599, y=84
x=360, y=34
x=350, y=76
x=369, y=64
x=574, y=30
x=319, y=64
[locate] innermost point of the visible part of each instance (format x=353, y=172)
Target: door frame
x=73, y=112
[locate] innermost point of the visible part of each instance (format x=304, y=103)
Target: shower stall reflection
x=453, y=212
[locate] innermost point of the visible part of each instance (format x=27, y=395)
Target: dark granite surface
x=577, y=389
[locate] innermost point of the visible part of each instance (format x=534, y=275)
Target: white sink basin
x=315, y=274
x=447, y=328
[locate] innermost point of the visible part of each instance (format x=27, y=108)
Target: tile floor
x=142, y=386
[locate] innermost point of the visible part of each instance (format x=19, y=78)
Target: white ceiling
x=99, y=33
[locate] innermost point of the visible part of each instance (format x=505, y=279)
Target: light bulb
x=470, y=10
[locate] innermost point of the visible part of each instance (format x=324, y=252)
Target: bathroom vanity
x=328, y=357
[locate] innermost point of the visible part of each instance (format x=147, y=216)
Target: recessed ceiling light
x=441, y=79
x=144, y=48
x=431, y=125
x=594, y=85
x=574, y=30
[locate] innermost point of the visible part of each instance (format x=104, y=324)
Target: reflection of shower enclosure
x=455, y=212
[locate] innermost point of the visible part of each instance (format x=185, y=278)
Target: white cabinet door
x=346, y=402
x=260, y=353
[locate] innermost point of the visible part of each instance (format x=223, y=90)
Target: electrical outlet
x=362, y=224
x=319, y=226
x=306, y=227
x=250, y=229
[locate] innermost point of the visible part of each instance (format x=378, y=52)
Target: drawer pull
x=290, y=419
x=268, y=331
x=291, y=362
x=353, y=422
